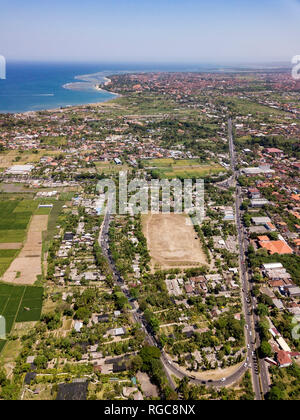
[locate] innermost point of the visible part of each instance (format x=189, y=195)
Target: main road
x=258, y=366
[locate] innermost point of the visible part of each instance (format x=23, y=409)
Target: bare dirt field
x=27, y=266
x=12, y=188
x=172, y=242
x=148, y=388
x=10, y=245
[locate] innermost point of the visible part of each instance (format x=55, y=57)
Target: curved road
x=168, y=365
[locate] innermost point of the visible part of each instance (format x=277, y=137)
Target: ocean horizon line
x=48, y=85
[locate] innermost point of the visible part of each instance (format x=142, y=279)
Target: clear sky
x=191, y=31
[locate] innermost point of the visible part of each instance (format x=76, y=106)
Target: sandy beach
x=107, y=82
x=100, y=89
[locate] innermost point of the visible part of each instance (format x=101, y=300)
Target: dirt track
x=172, y=242
x=27, y=266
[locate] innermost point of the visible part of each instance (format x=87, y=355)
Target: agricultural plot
x=6, y=258
x=14, y=218
x=11, y=235
x=43, y=211
x=19, y=304
x=32, y=300
x=183, y=169
x=28, y=265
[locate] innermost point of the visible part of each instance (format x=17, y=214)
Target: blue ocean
x=40, y=86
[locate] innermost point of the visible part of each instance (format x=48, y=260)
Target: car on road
x=223, y=379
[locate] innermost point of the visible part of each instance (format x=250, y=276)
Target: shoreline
x=99, y=89
x=107, y=82
x=62, y=108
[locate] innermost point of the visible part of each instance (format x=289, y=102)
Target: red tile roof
x=283, y=358
x=273, y=150
x=263, y=238
x=276, y=283
x=271, y=226
x=276, y=247
x=296, y=197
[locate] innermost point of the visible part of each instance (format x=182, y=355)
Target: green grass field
x=43, y=211
x=183, y=169
x=14, y=218
x=6, y=258
x=110, y=168
x=19, y=304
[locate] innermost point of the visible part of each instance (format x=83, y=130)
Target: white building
x=272, y=266
x=20, y=170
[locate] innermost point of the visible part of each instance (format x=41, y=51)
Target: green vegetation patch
x=7, y=253
x=2, y=344
x=110, y=168
x=26, y=206
x=19, y=304
x=54, y=141
x=182, y=169
x=6, y=258
x=14, y=219
x=17, y=221
x=12, y=235
x=28, y=316
x=43, y=211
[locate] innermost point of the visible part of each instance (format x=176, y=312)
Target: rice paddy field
x=183, y=169
x=15, y=216
x=6, y=257
x=19, y=304
x=14, y=219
